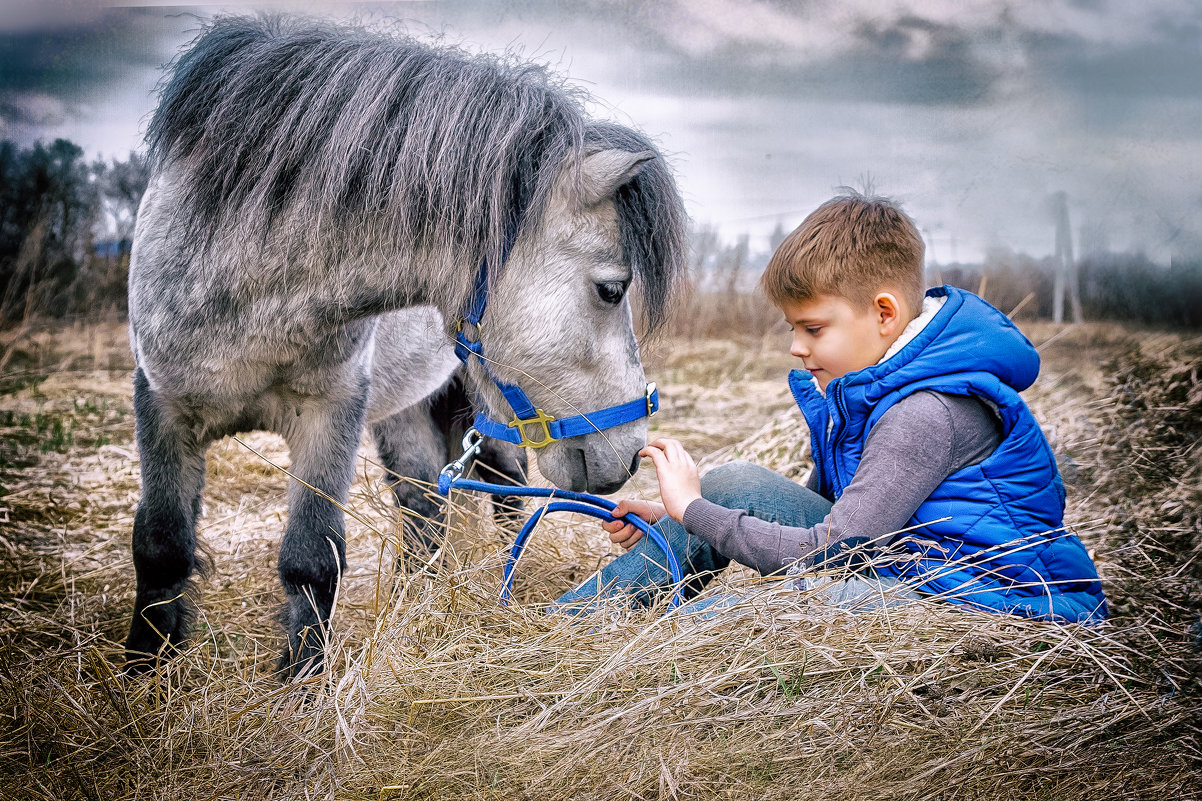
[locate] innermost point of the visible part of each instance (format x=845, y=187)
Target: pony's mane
x=271, y=118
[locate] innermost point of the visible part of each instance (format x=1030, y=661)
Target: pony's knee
x=312, y=563
x=726, y=484
x=164, y=544
x=409, y=444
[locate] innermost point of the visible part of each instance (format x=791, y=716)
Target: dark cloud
x=867, y=75
x=44, y=15
x=79, y=60
x=1168, y=68
x=908, y=60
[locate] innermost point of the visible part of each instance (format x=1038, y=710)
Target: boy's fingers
x=630, y=541
x=678, y=452
x=657, y=457
x=623, y=534
x=672, y=449
x=647, y=450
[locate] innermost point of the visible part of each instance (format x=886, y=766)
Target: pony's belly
x=255, y=382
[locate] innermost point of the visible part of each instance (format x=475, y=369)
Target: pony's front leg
x=323, y=438
x=164, y=537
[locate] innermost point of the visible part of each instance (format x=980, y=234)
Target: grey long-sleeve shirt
x=917, y=443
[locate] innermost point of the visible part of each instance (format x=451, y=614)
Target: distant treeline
x=65, y=230
x=1113, y=286
x=1125, y=287
x=66, y=227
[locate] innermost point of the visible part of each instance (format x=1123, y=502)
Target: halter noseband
x=547, y=429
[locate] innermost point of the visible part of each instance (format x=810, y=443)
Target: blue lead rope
x=562, y=501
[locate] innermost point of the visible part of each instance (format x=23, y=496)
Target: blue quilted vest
x=991, y=535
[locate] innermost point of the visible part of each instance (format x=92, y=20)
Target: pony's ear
x=604, y=172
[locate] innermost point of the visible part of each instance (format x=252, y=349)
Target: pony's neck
x=381, y=282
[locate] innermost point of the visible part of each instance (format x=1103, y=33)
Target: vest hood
x=966, y=335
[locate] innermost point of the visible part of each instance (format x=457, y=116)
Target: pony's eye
x=611, y=292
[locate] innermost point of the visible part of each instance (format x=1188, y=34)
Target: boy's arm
x=915, y=445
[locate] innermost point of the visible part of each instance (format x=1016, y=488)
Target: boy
x=925, y=456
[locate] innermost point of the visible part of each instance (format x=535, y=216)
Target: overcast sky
x=969, y=113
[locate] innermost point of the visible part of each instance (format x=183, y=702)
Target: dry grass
x=438, y=692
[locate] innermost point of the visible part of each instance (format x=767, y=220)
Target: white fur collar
x=930, y=307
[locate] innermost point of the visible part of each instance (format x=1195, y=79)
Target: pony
x=323, y=204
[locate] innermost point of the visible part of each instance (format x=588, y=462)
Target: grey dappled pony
x=321, y=203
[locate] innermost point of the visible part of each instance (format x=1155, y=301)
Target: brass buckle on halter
x=649, y=393
x=540, y=418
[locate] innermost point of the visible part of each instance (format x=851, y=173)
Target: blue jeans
x=641, y=573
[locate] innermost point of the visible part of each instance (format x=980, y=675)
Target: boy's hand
x=625, y=534
x=679, y=482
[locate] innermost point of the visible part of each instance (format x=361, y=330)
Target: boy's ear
x=888, y=312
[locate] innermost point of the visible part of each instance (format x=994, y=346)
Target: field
x=436, y=691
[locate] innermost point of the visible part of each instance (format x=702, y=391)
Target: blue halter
x=548, y=429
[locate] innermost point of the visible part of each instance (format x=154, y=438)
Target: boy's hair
x=852, y=246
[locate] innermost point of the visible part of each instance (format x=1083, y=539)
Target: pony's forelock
x=652, y=223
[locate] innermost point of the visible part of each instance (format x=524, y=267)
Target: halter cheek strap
x=531, y=427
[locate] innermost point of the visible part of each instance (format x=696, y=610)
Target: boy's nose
x=798, y=349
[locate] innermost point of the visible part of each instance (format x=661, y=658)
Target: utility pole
x=932, y=264
x=1066, y=266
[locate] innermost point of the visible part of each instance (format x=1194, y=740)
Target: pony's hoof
x=307, y=666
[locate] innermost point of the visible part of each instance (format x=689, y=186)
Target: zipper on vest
x=835, y=393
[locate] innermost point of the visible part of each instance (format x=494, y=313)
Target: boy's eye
x=813, y=331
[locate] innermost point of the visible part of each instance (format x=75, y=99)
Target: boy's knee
x=728, y=482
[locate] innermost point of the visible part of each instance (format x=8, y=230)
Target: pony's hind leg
x=164, y=537
x=323, y=439
x=502, y=463
x=412, y=449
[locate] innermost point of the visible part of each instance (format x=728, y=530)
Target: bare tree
x=121, y=185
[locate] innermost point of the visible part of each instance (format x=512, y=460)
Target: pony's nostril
x=580, y=473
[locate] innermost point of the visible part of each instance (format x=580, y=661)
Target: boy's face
x=832, y=337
